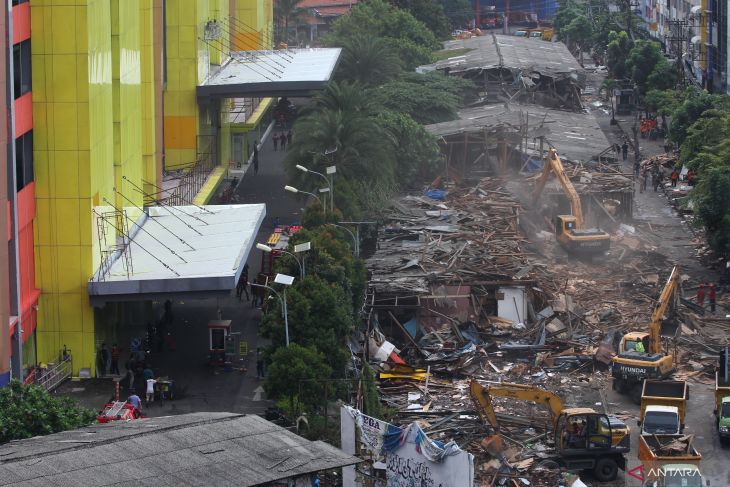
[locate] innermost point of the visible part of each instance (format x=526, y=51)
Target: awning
x=198, y=251
x=284, y=72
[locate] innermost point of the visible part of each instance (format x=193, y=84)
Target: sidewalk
x=200, y=387
x=671, y=233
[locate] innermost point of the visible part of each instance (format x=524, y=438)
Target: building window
x=18, y=2
x=21, y=68
x=24, y=159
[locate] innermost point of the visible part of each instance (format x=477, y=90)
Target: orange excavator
x=583, y=438
x=569, y=229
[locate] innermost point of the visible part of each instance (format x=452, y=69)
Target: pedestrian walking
x=115, y=359
x=711, y=297
x=690, y=177
x=242, y=287
x=150, y=396
x=130, y=372
x=259, y=364
x=674, y=177
x=643, y=180
x=106, y=359
x=701, y=295
x=288, y=137
x=256, y=164
x=282, y=140
x=276, y=141
x=625, y=150
x=656, y=180
x=637, y=169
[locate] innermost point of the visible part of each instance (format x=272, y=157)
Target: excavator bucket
x=494, y=445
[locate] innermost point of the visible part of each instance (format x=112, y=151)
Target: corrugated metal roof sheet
x=200, y=449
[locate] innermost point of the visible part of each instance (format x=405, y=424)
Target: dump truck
x=670, y=461
x=663, y=406
x=722, y=397
x=598, y=446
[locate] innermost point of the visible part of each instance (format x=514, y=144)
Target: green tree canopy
x=410, y=38
x=648, y=67
x=29, y=410
x=695, y=103
x=427, y=98
x=459, y=12
x=430, y=13
x=712, y=199
x=297, y=372
x=369, y=60
x=320, y=316
x=617, y=51
x=417, y=153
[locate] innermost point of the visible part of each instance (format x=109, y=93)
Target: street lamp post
x=330, y=170
x=356, y=248
x=292, y=189
x=286, y=281
x=268, y=250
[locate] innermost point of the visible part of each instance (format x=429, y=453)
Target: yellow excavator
x=641, y=354
x=583, y=439
x=569, y=229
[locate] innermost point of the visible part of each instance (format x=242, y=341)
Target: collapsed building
x=516, y=69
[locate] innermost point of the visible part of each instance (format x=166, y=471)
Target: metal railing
x=55, y=375
x=193, y=177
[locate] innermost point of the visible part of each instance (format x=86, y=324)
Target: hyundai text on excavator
x=569, y=229
x=641, y=354
x=599, y=446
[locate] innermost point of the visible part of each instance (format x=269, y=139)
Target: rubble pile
x=459, y=293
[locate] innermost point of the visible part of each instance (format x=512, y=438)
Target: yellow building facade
x=114, y=105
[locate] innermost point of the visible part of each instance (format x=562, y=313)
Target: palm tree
x=369, y=60
x=346, y=96
x=285, y=11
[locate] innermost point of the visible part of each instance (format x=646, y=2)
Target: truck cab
x=723, y=419
x=663, y=420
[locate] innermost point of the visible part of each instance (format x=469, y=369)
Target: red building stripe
x=23, y=114
x=21, y=22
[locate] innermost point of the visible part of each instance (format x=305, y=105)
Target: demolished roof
x=497, y=51
x=576, y=136
x=190, y=449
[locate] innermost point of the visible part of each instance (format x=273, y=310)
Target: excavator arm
x=666, y=298
x=482, y=397
x=554, y=164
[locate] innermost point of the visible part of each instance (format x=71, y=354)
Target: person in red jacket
x=711, y=296
x=701, y=295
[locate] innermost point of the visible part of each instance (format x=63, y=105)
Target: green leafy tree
x=580, y=32
x=688, y=111
x=29, y=410
x=430, y=13
x=299, y=374
x=416, y=151
x=320, y=316
x=711, y=197
x=617, y=51
x=427, y=98
x=701, y=148
x=410, y=38
x=370, y=400
x=661, y=102
x=368, y=60
x=286, y=11
x=459, y=12
x=646, y=65
x=662, y=77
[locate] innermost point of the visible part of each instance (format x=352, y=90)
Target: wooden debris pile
x=471, y=236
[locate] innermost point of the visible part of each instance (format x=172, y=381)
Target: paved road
x=676, y=240
x=206, y=389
